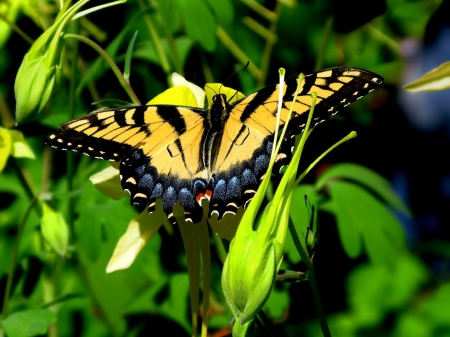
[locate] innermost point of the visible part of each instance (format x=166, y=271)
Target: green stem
x=260, y=9
x=12, y=262
x=71, y=115
x=380, y=36
x=15, y=165
x=165, y=65
x=111, y=63
x=237, y=52
x=323, y=43
x=174, y=51
x=16, y=29
x=271, y=38
x=312, y=281
x=265, y=322
x=310, y=167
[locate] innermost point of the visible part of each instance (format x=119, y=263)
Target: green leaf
x=146, y=51
x=5, y=147
x=20, y=148
x=200, y=23
x=126, y=72
x=359, y=216
x=375, y=290
x=223, y=10
x=366, y=177
x=434, y=80
x=54, y=229
x=170, y=11
x=28, y=322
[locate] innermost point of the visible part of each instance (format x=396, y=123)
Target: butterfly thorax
x=218, y=113
x=217, y=116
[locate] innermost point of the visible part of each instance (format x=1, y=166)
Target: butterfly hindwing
x=149, y=141
x=174, y=171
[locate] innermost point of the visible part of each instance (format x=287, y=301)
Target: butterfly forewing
x=252, y=123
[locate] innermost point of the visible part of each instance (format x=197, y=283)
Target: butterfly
x=187, y=154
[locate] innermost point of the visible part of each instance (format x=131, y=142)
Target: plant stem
x=23, y=180
x=270, y=40
x=312, y=280
x=323, y=43
x=16, y=29
x=111, y=63
x=12, y=262
x=265, y=322
x=237, y=52
x=310, y=167
x=380, y=36
x=71, y=115
x=173, y=49
x=165, y=65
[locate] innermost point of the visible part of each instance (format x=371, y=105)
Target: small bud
x=40, y=72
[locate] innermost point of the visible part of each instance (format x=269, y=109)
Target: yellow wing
x=150, y=142
x=242, y=158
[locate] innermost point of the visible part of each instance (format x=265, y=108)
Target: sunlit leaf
x=179, y=95
x=5, y=147
x=140, y=230
x=434, y=80
x=212, y=89
x=108, y=183
x=20, y=148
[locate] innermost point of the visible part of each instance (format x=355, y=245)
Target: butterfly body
x=187, y=154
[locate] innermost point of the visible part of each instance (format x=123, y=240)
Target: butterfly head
x=219, y=109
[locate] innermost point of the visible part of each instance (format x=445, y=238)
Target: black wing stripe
x=172, y=116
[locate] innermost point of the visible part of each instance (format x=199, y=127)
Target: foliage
x=57, y=232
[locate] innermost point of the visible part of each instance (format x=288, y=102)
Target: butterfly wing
x=150, y=142
x=242, y=158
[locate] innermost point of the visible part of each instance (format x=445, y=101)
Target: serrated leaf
x=366, y=177
x=28, y=322
x=434, y=80
x=54, y=229
x=362, y=217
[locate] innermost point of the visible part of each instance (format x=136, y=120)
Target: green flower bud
x=40, y=72
x=35, y=83
x=249, y=273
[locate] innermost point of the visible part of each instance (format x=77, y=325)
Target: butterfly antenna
x=235, y=73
